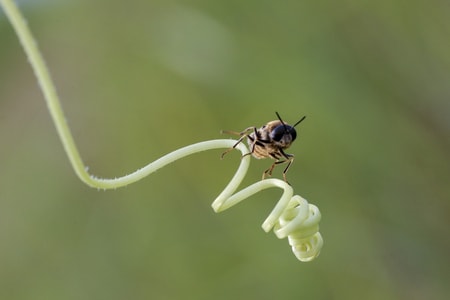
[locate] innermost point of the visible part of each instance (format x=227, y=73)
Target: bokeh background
x=139, y=79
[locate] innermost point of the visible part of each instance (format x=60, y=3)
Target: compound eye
x=293, y=133
x=278, y=133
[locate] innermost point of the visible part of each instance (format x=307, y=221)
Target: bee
x=269, y=141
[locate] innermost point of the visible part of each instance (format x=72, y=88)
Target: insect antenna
x=282, y=122
x=299, y=121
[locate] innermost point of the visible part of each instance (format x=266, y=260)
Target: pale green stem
x=48, y=88
x=226, y=200
x=292, y=216
x=40, y=69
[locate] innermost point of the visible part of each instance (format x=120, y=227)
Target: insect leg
x=268, y=172
x=254, y=140
x=245, y=132
x=234, y=146
x=243, y=135
x=289, y=160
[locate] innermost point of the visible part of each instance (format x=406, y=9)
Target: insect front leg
x=268, y=172
x=289, y=160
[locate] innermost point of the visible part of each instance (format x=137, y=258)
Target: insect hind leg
x=234, y=146
x=242, y=135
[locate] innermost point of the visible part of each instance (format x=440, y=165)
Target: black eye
x=280, y=131
x=293, y=133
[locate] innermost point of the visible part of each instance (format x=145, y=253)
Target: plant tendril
x=292, y=217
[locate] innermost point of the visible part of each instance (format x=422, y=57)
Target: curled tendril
x=300, y=223
x=292, y=216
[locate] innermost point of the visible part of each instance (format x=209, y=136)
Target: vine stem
x=51, y=97
x=40, y=69
x=292, y=217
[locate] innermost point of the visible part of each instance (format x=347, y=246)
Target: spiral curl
x=300, y=224
x=292, y=217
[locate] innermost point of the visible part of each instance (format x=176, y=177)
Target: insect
x=269, y=141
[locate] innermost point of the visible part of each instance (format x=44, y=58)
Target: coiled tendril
x=292, y=216
x=300, y=223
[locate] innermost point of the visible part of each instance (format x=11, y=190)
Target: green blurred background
x=142, y=78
